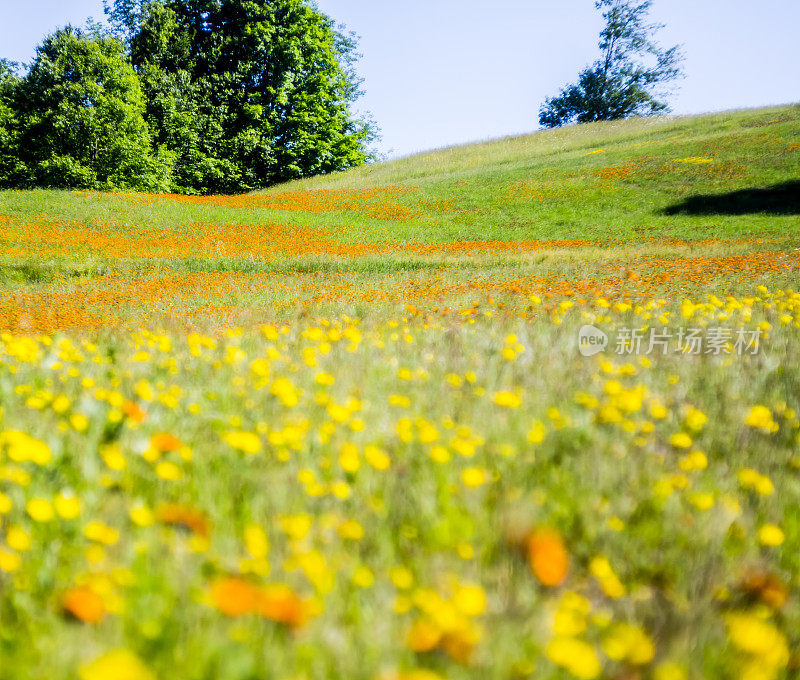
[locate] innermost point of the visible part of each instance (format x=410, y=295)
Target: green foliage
x=10, y=166
x=248, y=93
x=626, y=80
x=81, y=117
x=192, y=96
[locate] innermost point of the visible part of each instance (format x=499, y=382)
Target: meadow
x=344, y=428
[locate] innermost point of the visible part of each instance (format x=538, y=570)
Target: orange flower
x=766, y=587
x=235, y=596
x=185, y=516
x=84, y=604
x=165, y=442
x=279, y=603
x=548, y=556
x=133, y=411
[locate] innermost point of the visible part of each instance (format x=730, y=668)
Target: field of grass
x=344, y=428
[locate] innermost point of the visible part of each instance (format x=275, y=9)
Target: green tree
x=628, y=79
x=12, y=171
x=80, y=113
x=247, y=92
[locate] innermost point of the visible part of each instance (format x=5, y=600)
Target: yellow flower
x=18, y=539
x=142, y=516
x=351, y=530
x=615, y=523
x=601, y=569
x=537, y=432
x=470, y=600
x=680, y=440
x=401, y=577
x=628, y=643
x=567, y=621
x=507, y=399
x=22, y=447
x=339, y=414
x=695, y=160
x=760, y=417
x=60, y=403
x=247, y=442
x=439, y=454
x=296, y=526
x=79, y=422
x=112, y=457
x=99, y=532
x=120, y=664
x=752, y=479
x=40, y=510
x=324, y=379
x=9, y=561
x=696, y=460
x=169, y=471
x=702, y=501
x=474, y=477
x=759, y=638
x=349, y=458
x=771, y=535
x=576, y=656
x=670, y=671
x=256, y=541
x=376, y=458
x=363, y=577
x=695, y=419
x=284, y=390
x=427, y=433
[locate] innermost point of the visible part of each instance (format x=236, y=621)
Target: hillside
x=569, y=205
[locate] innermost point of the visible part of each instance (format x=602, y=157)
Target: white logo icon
x=591, y=341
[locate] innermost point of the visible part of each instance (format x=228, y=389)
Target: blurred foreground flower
x=120, y=664
x=235, y=596
x=548, y=556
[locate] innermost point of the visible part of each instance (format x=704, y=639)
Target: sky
x=443, y=72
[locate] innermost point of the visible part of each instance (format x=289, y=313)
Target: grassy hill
x=625, y=179
x=567, y=205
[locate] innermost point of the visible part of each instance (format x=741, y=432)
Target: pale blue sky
x=441, y=72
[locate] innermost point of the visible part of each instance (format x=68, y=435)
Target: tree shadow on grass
x=780, y=199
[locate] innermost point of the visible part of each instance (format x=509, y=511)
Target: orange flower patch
x=234, y=596
x=547, y=556
x=84, y=604
x=165, y=442
x=186, y=517
x=380, y=202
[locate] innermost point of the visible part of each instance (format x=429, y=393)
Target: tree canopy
x=194, y=96
x=80, y=113
x=627, y=80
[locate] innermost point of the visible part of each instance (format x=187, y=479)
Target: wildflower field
x=347, y=428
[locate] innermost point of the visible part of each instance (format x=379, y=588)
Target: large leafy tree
x=247, y=92
x=630, y=77
x=80, y=112
x=11, y=169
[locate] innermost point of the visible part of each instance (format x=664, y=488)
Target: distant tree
x=81, y=120
x=629, y=77
x=247, y=92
